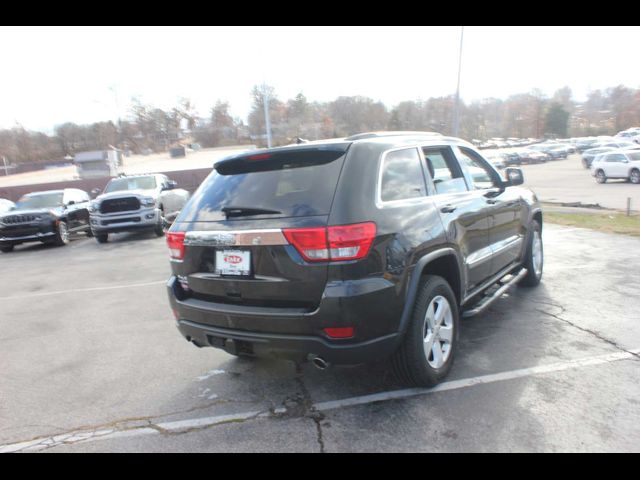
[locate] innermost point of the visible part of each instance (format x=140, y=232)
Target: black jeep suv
x=351, y=250
x=47, y=217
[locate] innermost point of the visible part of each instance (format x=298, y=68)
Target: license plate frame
x=235, y=263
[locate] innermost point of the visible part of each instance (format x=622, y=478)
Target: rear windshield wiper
x=246, y=211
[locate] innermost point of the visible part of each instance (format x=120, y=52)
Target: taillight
x=351, y=242
x=337, y=243
x=175, y=241
x=311, y=243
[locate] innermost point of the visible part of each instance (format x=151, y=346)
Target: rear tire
x=534, y=260
x=426, y=354
x=102, y=237
x=634, y=176
x=7, y=249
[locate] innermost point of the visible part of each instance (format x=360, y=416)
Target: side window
x=444, y=171
x=402, y=176
x=478, y=174
x=616, y=157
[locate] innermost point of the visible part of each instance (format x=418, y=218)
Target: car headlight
x=148, y=202
x=93, y=207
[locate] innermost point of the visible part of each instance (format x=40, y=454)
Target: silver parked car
x=137, y=202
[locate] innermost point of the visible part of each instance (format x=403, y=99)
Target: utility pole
x=456, y=112
x=267, y=121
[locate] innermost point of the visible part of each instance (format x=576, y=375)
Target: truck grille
x=16, y=219
x=119, y=205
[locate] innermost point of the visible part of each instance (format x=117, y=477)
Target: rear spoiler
x=282, y=157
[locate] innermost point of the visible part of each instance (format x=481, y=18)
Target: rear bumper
x=292, y=334
x=294, y=347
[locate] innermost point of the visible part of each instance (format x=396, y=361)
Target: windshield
x=131, y=183
x=45, y=200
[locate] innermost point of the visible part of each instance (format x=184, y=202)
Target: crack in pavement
x=598, y=335
x=301, y=405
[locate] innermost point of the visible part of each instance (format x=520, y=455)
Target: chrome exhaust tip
x=320, y=363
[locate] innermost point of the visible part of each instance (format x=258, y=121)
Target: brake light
x=339, y=332
x=336, y=243
x=260, y=156
x=175, y=241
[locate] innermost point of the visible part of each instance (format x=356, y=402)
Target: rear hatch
x=236, y=228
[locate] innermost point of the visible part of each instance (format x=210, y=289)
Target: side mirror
x=514, y=177
x=94, y=193
x=171, y=185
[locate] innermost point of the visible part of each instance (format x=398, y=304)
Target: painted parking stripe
x=78, y=290
x=83, y=436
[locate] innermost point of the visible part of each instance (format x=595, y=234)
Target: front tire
x=534, y=261
x=102, y=237
x=601, y=177
x=62, y=235
x=426, y=354
x=7, y=249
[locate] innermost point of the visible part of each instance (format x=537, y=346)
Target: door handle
x=448, y=209
x=492, y=201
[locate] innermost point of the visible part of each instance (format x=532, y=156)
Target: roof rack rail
x=362, y=136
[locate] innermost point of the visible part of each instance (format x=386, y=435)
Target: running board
x=484, y=304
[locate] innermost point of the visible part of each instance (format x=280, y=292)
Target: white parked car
x=617, y=164
x=6, y=205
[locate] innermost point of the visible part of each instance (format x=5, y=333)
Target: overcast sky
x=54, y=75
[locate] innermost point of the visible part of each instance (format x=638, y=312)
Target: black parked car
x=48, y=217
x=351, y=250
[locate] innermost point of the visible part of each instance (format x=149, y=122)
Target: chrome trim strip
x=489, y=252
x=237, y=238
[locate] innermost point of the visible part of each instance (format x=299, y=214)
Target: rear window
x=289, y=184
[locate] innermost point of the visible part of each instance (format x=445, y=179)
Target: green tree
x=556, y=120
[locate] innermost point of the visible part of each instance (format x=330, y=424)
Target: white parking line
x=82, y=436
x=77, y=290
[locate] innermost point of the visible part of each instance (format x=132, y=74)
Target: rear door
x=616, y=165
x=236, y=251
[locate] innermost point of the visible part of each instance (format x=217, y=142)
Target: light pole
x=267, y=121
x=456, y=111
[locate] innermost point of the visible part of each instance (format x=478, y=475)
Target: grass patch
x=602, y=222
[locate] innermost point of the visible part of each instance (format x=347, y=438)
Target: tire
x=61, y=237
x=7, y=249
x=601, y=177
x=411, y=364
x=634, y=176
x=89, y=233
x=534, y=257
x=159, y=230
x=102, y=237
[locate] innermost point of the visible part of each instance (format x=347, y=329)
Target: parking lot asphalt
x=90, y=360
